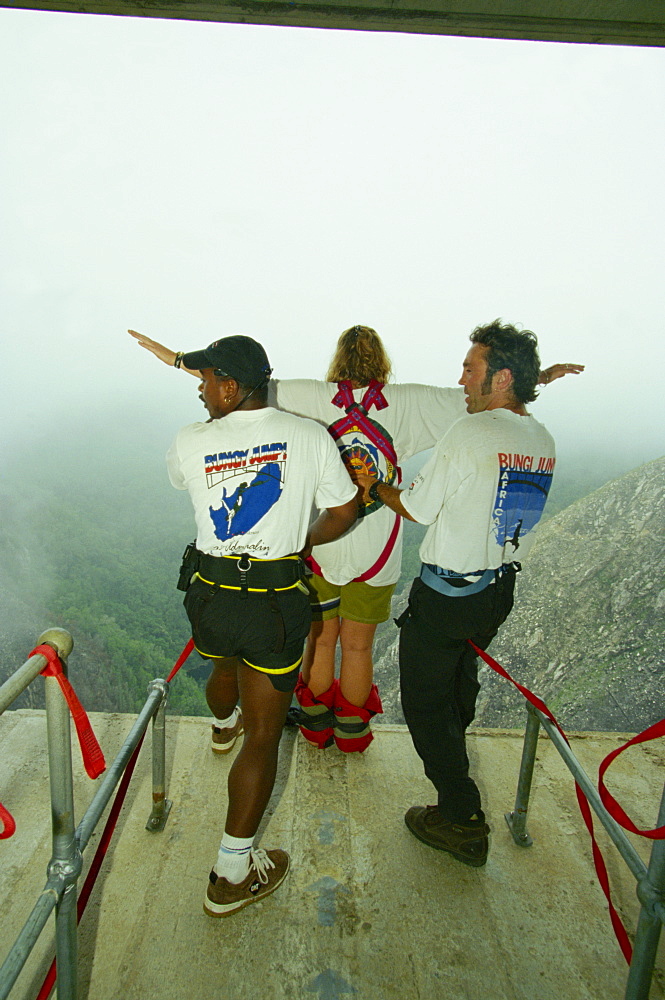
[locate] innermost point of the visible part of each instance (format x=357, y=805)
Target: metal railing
x=650, y=880
x=69, y=843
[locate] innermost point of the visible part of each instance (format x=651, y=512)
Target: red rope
x=610, y=803
x=8, y=823
x=109, y=829
x=585, y=809
x=93, y=758
x=181, y=659
x=96, y=865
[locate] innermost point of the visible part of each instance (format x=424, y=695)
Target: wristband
x=178, y=359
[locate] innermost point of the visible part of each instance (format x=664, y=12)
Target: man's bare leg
x=243, y=872
x=222, y=688
x=252, y=776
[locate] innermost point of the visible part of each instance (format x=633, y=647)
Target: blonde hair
x=359, y=357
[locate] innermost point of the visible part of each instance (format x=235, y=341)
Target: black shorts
x=266, y=632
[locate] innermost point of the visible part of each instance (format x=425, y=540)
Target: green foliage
x=104, y=545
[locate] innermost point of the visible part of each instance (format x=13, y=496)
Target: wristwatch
x=373, y=491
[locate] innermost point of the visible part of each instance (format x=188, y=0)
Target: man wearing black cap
x=253, y=474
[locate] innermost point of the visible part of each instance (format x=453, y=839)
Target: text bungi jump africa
x=521, y=494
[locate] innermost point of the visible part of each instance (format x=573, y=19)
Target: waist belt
x=247, y=574
x=456, y=584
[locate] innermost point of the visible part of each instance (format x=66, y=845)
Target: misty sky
x=194, y=180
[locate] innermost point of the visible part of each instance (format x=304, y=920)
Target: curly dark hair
x=514, y=349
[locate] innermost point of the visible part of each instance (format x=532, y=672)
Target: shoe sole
x=222, y=748
x=472, y=862
x=234, y=907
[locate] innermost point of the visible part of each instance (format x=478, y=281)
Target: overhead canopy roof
x=616, y=22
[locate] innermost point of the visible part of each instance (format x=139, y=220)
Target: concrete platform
x=367, y=911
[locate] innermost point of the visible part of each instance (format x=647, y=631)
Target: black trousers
x=439, y=682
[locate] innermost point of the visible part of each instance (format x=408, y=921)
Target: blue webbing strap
x=435, y=577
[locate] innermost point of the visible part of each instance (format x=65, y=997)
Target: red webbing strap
x=109, y=828
x=356, y=417
x=93, y=758
x=181, y=659
x=610, y=803
x=378, y=565
x=383, y=558
x=313, y=565
x=373, y=397
x=585, y=808
x=102, y=848
x=8, y=823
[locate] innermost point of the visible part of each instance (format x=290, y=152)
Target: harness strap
x=437, y=581
x=243, y=565
x=356, y=414
x=280, y=631
x=385, y=555
x=249, y=575
x=377, y=566
x=440, y=579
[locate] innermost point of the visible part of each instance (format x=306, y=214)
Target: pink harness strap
x=356, y=415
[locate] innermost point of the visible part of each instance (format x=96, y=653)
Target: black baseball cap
x=239, y=357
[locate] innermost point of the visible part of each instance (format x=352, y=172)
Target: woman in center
x=377, y=426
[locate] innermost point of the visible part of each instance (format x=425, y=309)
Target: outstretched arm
x=168, y=356
x=164, y=354
x=558, y=371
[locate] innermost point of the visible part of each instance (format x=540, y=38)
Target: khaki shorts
x=357, y=601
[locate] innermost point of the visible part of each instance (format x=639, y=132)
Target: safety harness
x=256, y=576
x=245, y=575
x=445, y=581
x=356, y=416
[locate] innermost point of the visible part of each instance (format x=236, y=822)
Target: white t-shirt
x=253, y=477
x=483, y=491
x=414, y=419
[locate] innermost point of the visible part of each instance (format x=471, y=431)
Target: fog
x=193, y=180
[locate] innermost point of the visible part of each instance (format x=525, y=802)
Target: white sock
x=233, y=858
x=231, y=721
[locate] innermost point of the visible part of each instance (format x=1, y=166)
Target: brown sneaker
x=266, y=872
x=223, y=740
x=465, y=841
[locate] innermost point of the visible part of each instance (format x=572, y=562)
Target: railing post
x=650, y=891
x=516, y=819
x=66, y=863
x=161, y=806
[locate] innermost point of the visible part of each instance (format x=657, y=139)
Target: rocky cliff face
x=586, y=633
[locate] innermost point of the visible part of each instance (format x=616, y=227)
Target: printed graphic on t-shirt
x=360, y=455
x=524, y=483
x=248, y=483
